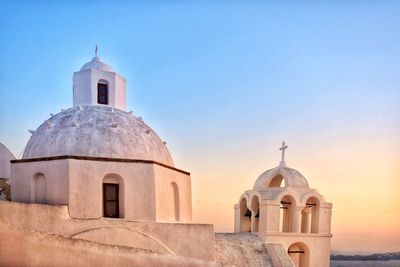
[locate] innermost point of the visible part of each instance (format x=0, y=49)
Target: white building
x=5, y=172
x=96, y=186
x=282, y=208
x=98, y=154
x=100, y=174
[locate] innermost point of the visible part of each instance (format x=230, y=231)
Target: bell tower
x=285, y=212
x=96, y=83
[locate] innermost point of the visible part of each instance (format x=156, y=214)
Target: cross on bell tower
x=283, y=148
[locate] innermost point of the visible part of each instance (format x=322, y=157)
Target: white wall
x=145, y=193
x=165, y=198
x=188, y=240
x=56, y=174
x=5, y=165
x=85, y=88
x=85, y=198
x=319, y=246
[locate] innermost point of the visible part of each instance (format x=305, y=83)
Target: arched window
x=300, y=254
x=39, y=189
x=310, y=216
x=113, y=196
x=102, y=92
x=286, y=214
x=175, y=201
x=245, y=216
x=255, y=207
x=277, y=181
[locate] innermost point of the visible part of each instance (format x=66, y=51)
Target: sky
x=224, y=83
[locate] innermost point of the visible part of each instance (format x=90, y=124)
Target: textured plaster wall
x=20, y=247
x=120, y=92
x=56, y=173
x=165, y=196
x=278, y=255
x=189, y=240
x=78, y=184
x=319, y=245
x=241, y=249
x=82, y=81
x=86, y=198
x=85, y=88
x=5, y=166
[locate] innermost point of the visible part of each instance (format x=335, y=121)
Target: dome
x=273, y=178
x=97, y=64
x=97, y=131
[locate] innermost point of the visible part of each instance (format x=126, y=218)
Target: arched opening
x=245, y=216
x=277, y=181
x=310, y=216
x=255, y=207
x=287, y=208
x=102, y=92
x=39, y=189
x=300, y=254
x=175, y=201
x=113, y=196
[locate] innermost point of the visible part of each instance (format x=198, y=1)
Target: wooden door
x=111, y=200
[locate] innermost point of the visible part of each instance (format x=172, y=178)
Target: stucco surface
x=145, y=188
x=21, y=247
x=279, y=256
x=188, y=240
x=5, y=157
x=97, y=131
x=292, y=178
x=318, y=245
x=241, y=249
x=164, y=197
x=97, y=64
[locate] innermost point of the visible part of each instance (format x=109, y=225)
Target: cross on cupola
x=283, y=148
x=96, y=83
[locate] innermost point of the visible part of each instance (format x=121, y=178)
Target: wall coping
x=99, y=159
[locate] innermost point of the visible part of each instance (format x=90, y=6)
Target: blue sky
x=222, y=82
x=211, y=68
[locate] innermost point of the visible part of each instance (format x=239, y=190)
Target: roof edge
x=98, y=159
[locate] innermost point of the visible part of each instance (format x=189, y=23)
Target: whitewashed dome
x=97, y=131
x=291, y=177
x=97, y=64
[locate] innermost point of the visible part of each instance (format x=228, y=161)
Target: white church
x=96, y=186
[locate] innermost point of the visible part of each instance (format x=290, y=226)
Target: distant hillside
x=373, y=257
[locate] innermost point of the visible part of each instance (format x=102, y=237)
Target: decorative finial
x=283, y=148
x=95, y=51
